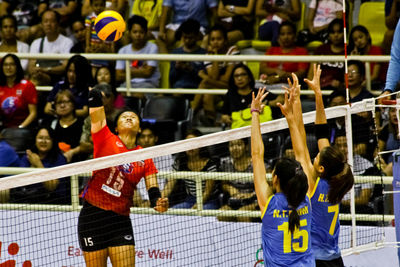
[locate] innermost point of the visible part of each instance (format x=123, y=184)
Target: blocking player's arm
x=297, y=109
x=96, y=111
x=298, y=141
x=320, y=116
x=263, y=190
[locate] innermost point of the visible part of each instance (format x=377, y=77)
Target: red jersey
x=113, y=188
x=287, y=66
x=14, y=102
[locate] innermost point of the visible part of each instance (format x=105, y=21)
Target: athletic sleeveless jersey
x=112, y=188
x=280, y=246
x=325, y=223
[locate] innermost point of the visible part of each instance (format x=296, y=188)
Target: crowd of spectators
x=59, y=119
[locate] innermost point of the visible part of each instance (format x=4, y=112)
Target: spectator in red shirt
x=104, y=226
x=18, y=97
x=278, y=72
x=360, y=43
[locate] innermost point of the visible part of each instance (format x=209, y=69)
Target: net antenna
x=346, y=78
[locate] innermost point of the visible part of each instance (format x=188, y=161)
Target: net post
x=349, y=137
x=75, y=192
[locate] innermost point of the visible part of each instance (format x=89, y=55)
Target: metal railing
x=174, y=57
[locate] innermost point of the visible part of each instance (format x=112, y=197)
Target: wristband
x=321, y=131
x=95, y=98
x=154, y=195
x=255, y=110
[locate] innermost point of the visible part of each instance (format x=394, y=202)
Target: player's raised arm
x=321, y=125
x=96, y=110
x=263, y=190
x=298, y=141
x=297, y=109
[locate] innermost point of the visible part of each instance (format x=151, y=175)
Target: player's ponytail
x=337, y=172
x=293, y=183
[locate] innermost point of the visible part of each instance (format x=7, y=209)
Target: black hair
x=19, y=71
x=289, y=24
x=112, y=81
x=147, y=125
x=333, y=23
x=135, y=19
x=13, y=18
x=220, y=28
x=52, y=155
x=337, y=172
x=294, y=185
x=358, y=28
x=231, y=82
x=187, y=27
x=360, y=65
x=336, y=93
x=83, y=72
x=58, y=16
x=119, y=115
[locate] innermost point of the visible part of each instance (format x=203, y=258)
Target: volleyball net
x=40, y=208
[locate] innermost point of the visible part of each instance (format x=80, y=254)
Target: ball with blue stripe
x=109, y=25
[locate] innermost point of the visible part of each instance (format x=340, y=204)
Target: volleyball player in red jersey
x=104, y=227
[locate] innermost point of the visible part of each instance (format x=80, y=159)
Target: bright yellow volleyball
x=109, y=25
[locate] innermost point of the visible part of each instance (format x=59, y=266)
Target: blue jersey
x=325, y=223
x=280, y=246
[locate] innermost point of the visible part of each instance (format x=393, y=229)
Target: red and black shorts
x=99, y=229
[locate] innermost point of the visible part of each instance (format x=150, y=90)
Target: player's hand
x=287, y=107
x=162, y=205
x=315, y=83
x=257, y=102
x=294, y=87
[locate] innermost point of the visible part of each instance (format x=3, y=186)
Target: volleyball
x=109, y=25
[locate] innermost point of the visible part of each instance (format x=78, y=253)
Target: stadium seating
x=372, y=16
x=20, y=139
x=133, y=103
x=170, y=116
